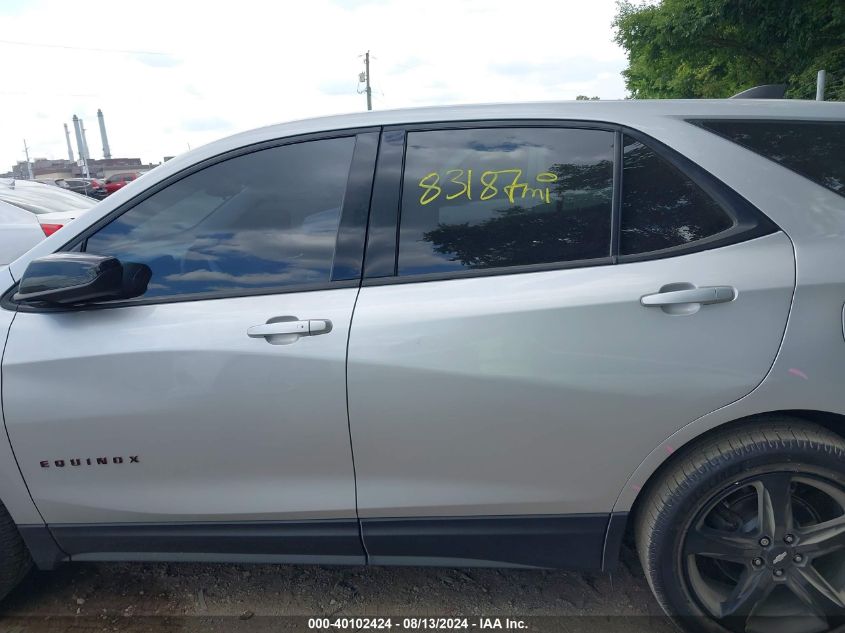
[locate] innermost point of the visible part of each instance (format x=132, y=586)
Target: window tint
x=260, y=221
x=661, y=207
x=814, y=150
x=485, y=198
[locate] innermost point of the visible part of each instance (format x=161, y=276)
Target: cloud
x=404, y=66
x=156, y=60
x=14, y=7
x=560, y=71
x=208, y=124
x=339, y=87
x=294, y=60
x=355, y=4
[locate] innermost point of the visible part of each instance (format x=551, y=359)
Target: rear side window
x=261, y=221
x=661, y=207
x=497, y=197
x=816, y=150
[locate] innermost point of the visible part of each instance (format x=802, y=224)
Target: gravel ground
x=211, y=597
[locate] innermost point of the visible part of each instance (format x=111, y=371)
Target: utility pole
x=80, y=146
x=28, y=164
x=364, y=78
x=84, y=141
x=369, y=88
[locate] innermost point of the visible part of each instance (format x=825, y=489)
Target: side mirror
x=71, y=278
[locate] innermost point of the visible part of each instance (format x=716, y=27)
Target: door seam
x=349, y=430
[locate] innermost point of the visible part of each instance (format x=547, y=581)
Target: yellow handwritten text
x=507, y=182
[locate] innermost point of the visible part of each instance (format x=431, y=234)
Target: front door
x=212, y=408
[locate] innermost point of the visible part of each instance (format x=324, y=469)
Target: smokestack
x=84, y=141
x=103, y=136
x=77, y=128
x=80, y=144
x=69, y=146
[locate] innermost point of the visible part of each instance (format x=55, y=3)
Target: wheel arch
x=620, y=527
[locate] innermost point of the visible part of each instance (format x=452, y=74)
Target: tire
x=702, y=527
x=15, y=560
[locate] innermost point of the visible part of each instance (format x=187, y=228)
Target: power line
x=82, y=48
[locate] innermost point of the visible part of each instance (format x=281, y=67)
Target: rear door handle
x=289, y=328
x=704, y=295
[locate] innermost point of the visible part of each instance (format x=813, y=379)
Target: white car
x=31, y=211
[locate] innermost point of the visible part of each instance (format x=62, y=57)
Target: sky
x=171, y=75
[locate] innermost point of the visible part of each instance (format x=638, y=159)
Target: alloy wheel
x=768, y=554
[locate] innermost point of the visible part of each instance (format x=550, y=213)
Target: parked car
x=30, y=211
x=539, y=327
x=90, y=187
x=116, y=181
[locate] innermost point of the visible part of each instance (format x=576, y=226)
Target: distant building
x=49, y=169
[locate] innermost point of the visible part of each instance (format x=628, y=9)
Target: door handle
x=704, y=295
x=289, y=329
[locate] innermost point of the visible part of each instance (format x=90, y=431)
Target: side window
x=814, y=149
x=661, y=207
x=497, y=197
x=261, y=221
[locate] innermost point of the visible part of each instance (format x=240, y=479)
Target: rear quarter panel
x=808, y=371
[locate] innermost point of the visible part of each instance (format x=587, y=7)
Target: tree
x=716, y=48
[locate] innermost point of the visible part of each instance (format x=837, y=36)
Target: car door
x=557, y=307
x=211, y=409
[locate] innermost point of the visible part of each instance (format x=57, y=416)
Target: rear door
x=562, y=299
x=209, y=415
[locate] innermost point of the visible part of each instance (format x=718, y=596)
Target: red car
x=116, y=181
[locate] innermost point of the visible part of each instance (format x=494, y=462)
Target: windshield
x=40, y=198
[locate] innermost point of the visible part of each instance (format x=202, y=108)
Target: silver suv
x=497, y=335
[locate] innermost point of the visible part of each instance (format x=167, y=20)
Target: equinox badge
x=90, y=461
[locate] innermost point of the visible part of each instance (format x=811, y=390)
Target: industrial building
x=82, y=164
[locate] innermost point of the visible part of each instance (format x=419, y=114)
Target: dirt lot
x=206, y=597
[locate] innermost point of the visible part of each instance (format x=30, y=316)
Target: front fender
x=13, y=491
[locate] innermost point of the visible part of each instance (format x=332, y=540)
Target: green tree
x=716, y=48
